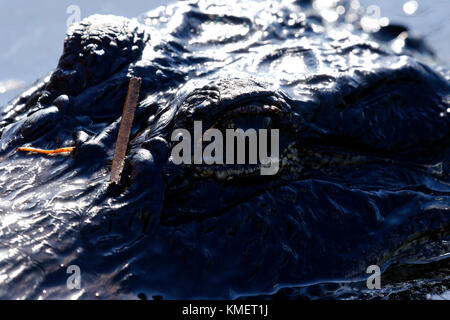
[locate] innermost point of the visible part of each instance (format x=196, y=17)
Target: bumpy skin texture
x=364, y=180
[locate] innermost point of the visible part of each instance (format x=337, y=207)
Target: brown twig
x=125, y=129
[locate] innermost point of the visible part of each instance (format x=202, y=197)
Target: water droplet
x=355, y=4
x=330, y=15
x=340, y=9
x=384, y=22
x=370, y=24
x=410, y=7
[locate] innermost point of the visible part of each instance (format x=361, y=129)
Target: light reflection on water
x=23, y=248
x=444, y=296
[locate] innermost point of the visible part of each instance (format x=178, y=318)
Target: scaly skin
x=364, y=178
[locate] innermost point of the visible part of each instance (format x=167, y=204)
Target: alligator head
x=363, y=175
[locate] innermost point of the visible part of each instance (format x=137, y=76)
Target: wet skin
x=364, y=142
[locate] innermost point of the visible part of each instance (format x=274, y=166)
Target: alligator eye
x=241, y=150
x=254, y=116
x=247, y=122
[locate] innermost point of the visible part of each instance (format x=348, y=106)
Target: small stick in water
x=34, y=150
x=126, y=123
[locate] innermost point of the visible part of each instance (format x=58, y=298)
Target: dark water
x=300, y=239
